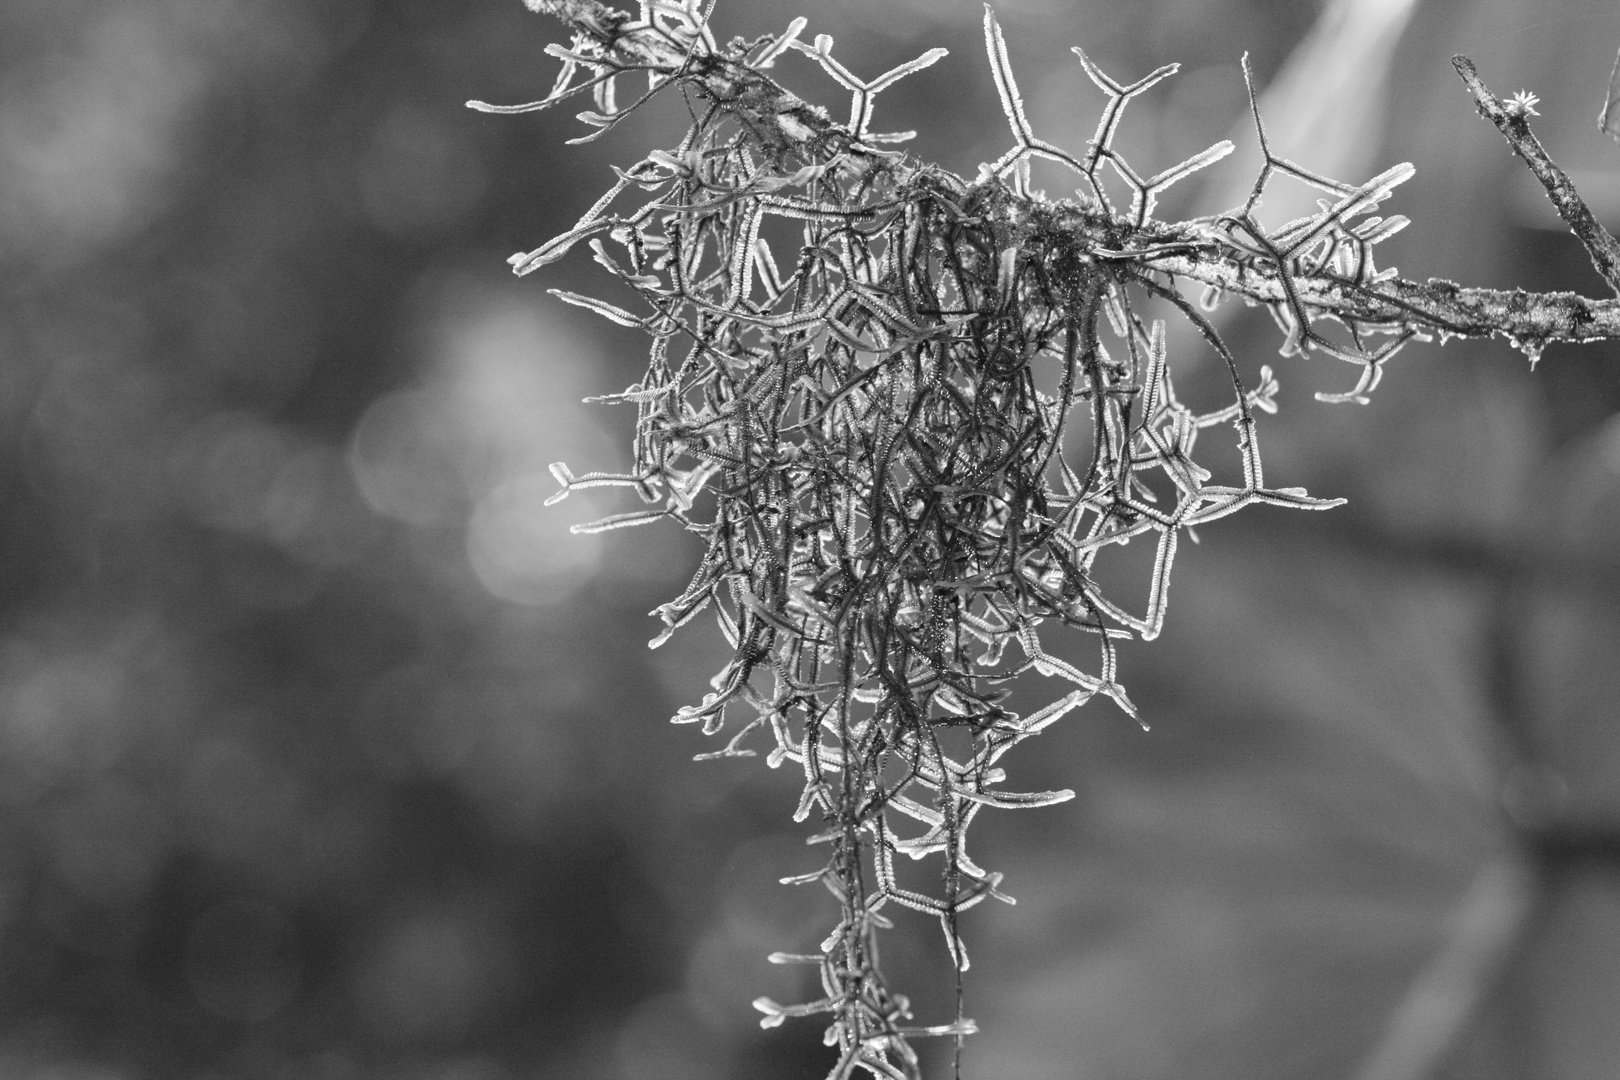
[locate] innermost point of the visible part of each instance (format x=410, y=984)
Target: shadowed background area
x=326, y=752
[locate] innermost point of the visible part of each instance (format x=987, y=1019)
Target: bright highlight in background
x=469, y=447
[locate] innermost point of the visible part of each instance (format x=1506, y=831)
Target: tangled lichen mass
x=907, y=445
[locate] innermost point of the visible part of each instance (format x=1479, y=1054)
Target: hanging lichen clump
x=906, y=445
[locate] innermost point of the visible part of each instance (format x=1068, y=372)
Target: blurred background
x=326, y=752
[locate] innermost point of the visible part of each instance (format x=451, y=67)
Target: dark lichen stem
x=1515, y=128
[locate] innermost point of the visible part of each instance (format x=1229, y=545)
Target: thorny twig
x=907, y=449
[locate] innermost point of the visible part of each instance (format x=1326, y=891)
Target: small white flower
x=1522, y=104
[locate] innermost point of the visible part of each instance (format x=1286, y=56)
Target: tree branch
x=1511, y=119
x=788, y=126
x=1528, y=319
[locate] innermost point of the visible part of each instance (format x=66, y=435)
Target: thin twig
x=1515, y=128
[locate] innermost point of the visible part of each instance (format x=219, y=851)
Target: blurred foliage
x=324, y=752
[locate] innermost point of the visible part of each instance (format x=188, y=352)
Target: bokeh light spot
x=662, y=1040
x=522, y=550
x=242, y=961
x=427, y=978
x=108, y=842
x=419, y=174
x=403, y=455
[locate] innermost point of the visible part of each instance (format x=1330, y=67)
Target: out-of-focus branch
x=1511, y=119
x=1481, y=934
x=1609, y=118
